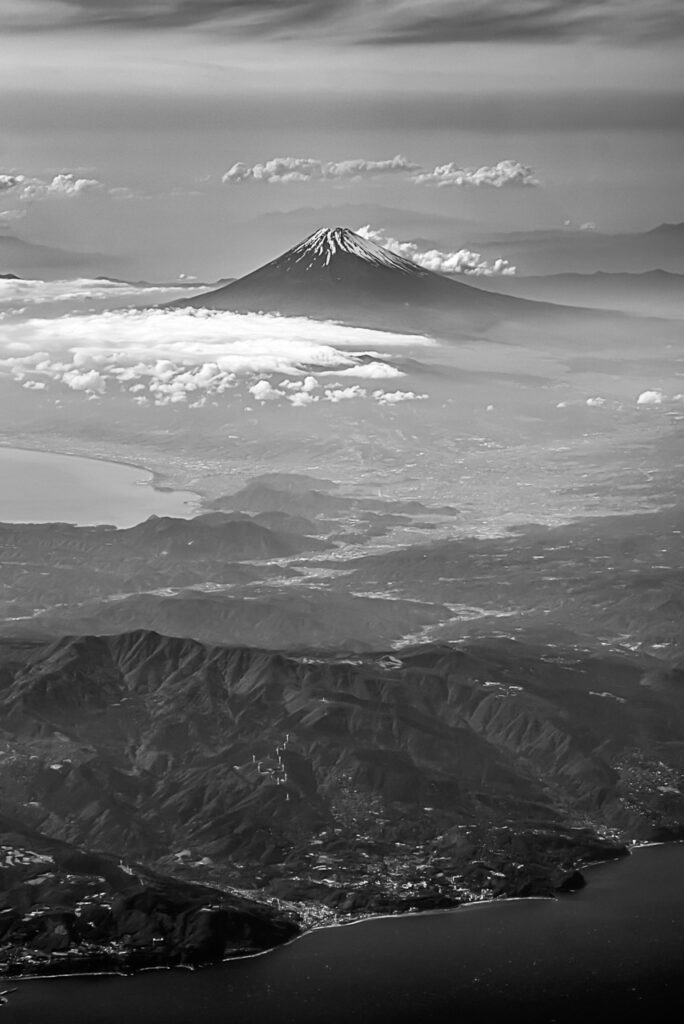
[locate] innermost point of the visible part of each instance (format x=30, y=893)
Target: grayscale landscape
x=342, y=512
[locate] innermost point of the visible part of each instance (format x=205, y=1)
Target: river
x=42, y=487
x=613, y=951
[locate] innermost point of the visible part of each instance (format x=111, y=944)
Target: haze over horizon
x=203, y=127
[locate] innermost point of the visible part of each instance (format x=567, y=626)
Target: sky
x=201, y=137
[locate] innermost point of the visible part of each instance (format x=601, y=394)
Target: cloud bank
x=23, y=297
x=289, y=170
x=164, y=357
x=462, y=261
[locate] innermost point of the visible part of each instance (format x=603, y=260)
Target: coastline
x=157, y=482
x=314, y=929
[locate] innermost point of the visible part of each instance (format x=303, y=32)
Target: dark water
x=614, y=951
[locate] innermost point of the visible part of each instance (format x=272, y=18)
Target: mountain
x=375, y=781
x=68, y=908
x=651, y=293
x=31, y=260
x=560, y=251
x=336, y=274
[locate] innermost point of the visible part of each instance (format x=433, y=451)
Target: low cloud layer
x=462, y=261
x=163, y=357
x=20, y=297
x=289, y=170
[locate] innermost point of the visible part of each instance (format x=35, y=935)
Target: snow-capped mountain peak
x=323, y=247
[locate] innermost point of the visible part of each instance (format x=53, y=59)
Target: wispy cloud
x=460, y=261
x=289, y=170
x=391, y=21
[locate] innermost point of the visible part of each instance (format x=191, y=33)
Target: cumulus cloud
x=264, y=391
x=462, y=261
x=287, y=170
x=393, y=397
x=373, y=371
x=167, y=356
x=10, y=181
x=61, y=186
x=654, y=397
x=345, y=394
x=65, y=185
x=505, y=173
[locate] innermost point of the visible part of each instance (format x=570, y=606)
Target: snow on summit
x=324, y=245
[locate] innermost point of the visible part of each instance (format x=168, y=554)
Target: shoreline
x=155, y=483
x=314, y=929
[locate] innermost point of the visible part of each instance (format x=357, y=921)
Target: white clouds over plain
x=288, y=170
x=461, y=261
x=164, y=356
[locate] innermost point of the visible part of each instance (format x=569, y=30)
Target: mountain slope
x=305, y=773
x=652, y=293
x=336, y=274
x=66, y=908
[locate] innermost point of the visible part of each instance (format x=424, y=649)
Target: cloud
x=30, y=296
x=10, y=217
x=168, y=356
x=345, y=394
x=501, y=175
x=389, y=21
x=288, y=170
x=462, y=261
x=393, y=397
x=440, y=21
x=371, y=371
x=10, y=181
x=310, y=392
x=654, y=397
x=64, y=185
x=250, y=16
x=264, y=391
x=284, y=170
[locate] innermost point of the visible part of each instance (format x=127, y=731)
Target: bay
x=43, y=487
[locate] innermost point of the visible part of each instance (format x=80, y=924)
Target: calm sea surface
x=39, y=487
x=614, y=951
